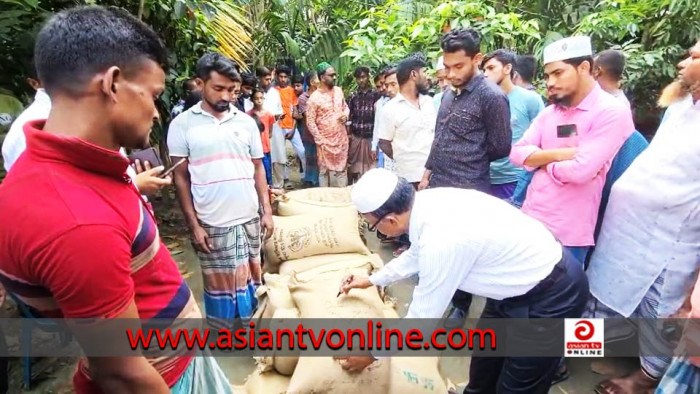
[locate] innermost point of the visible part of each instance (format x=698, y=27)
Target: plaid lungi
x=682, y=377
x=231, y=272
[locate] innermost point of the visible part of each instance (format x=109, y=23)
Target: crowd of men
x=558, y=211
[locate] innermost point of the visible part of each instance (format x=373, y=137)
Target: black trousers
x=562, y=294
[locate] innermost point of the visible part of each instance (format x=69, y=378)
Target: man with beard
x=571, y=144
x=408, y=126
x=326, y=114
x=408, y=121
x=524, y=105
x=221, y=189
x=473, y=129
x=362, y=112
x=88, y=248
x=645, y=262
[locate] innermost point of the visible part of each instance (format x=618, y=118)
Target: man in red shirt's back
x=78, y=240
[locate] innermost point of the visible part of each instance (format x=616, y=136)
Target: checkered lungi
x=231, y=272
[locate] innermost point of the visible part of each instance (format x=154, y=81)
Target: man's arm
x=443, y=268
x=124, y=374
x=387, y=130
x=102, y=293
x=375, y=129
x=183, y=185
x=499, y=136
x=263, y=198
x=311, y=124
x=386, y=147
x=609, y=131
x=399, y=268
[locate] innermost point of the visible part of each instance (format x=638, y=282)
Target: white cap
x=568, y=48
x=373, y=189
x=440, y=65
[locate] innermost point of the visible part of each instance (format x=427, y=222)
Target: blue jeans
x=579, y=252
x=267, y=163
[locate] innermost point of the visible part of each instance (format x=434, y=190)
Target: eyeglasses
x=373, y=227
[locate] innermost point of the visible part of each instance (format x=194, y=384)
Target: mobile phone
x=146, y=155
x=171, y=169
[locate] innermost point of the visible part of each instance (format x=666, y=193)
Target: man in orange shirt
x=288, y=98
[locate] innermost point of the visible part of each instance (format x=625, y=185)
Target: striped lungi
x=651, y=340
x=231, y=272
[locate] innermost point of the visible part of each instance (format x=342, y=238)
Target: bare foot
x=635, y=383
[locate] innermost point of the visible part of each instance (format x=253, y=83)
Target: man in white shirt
x=646, y=257
x=408, y=121
x=391, y=89
x=273, y=105
x=15, y=143
x=221, y=189
x=520, y=267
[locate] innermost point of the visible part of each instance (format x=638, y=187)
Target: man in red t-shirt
x=82, y=243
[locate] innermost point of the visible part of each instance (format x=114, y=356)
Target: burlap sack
x=315, y=293
x=324, y=375
x=266, y=383
x=274, y=295
x=308, y=263
x=300, y=236
x=284, y=364
x=418, y=375
x=305, y=201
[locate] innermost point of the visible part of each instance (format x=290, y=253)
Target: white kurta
x=652, y=221
x=467, y=240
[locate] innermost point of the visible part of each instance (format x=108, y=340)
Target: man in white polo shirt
x=221, y=189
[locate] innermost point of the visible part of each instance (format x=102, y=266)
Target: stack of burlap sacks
x=316, y=243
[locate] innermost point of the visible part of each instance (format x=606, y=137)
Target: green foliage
x=653, y=34
x=386, y=34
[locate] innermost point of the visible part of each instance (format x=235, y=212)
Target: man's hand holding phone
x=148, y=180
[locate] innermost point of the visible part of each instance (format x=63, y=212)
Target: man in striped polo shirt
x=82, y=243
x=221, y=190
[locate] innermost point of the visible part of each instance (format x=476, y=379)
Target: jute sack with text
x=311, y=200
x=324, y=375
x=300, y=236
x=308, y=263
x=269, y=382
x=418, y=375
x=315, y=293
x=274, y=295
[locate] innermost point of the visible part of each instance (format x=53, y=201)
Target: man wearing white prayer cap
x=571, y=145
x=519, y=267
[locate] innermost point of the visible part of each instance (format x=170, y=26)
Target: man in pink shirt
x=571, y=145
